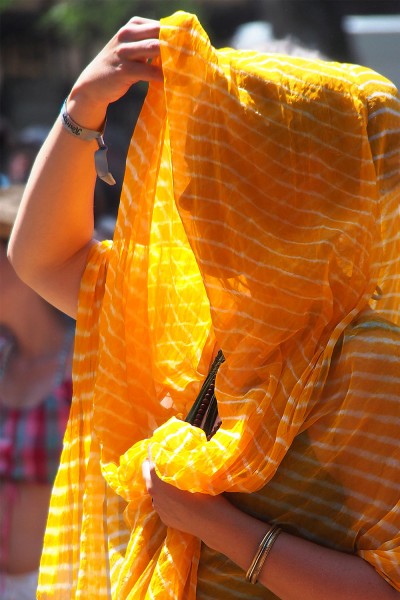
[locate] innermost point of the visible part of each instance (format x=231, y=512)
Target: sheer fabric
x=260, y=214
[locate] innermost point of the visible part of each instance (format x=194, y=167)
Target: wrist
x=232, y=532
x=77, y=130
x=89, y=113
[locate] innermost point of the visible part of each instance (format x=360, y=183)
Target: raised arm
x=54, y=228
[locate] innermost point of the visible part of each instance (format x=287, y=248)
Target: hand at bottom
x=189, y=512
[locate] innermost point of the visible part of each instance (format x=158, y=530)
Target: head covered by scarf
x=260, y=215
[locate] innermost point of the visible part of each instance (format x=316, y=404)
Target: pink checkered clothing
x=31, y=437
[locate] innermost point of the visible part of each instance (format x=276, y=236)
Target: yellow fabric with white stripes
x=259, y=214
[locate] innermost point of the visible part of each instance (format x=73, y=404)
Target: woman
x=35, y=398
x=259, y=216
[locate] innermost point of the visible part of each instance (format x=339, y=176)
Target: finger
x=144, y=71
x=155, y=480
x=144, y=21
x=137, y=32
x=142, y=50
x=146, y=474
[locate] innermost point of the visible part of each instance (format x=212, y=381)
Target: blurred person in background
x=36, y=344
x=18, y=152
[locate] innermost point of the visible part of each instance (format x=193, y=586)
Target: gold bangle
x=262, y=553
x=259, y=552
x=267, y=550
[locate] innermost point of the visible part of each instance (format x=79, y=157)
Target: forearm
x=57, y=209
x=54, y=226
x=295, y=569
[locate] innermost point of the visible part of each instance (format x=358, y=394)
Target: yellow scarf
x=259, y=214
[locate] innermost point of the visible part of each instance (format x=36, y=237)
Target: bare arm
x=53, y=231
x=295, y=569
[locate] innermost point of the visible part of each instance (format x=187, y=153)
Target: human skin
x=295, y=569
x=56, y=219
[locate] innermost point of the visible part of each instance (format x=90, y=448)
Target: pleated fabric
x=260, y=215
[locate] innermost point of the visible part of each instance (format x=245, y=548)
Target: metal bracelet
x=100, y=156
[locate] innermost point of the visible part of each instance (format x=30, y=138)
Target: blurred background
x=46, y=43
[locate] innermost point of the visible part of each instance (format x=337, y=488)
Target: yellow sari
x=259, y=214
